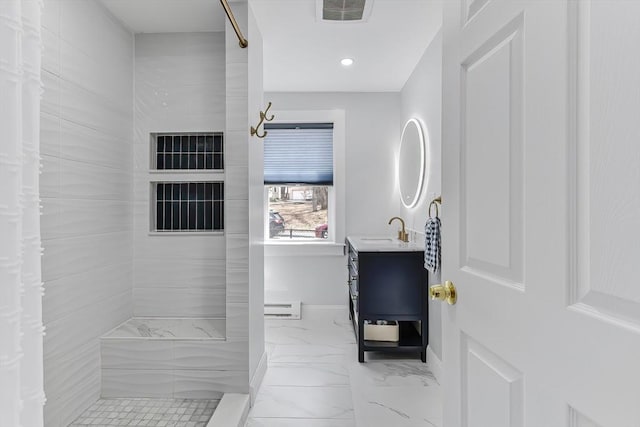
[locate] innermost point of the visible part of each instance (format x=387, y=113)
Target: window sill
x=278, y=249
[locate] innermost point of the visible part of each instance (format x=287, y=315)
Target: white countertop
x=383, y=244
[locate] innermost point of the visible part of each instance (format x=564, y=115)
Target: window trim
x=334, y=244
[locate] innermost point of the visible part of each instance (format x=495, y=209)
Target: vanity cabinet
x=387, y=281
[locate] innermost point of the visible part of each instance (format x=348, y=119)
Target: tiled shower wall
x=101, y=264
x=256, y=204
x=182, y=85
x=179, y=87
x=86, y=144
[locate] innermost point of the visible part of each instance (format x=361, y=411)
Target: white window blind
x=298, y=154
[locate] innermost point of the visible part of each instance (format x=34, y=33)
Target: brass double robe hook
x=263, y=118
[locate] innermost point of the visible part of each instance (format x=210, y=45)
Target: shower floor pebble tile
x=147, y=412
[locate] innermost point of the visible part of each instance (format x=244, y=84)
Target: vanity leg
x=360, y=340
x=423, y=356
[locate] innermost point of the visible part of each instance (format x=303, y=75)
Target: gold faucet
x=402, y=234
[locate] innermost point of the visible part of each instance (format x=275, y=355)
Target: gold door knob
x=446, y=292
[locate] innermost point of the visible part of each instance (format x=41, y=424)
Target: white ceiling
x=168, y=16
x=301, y=52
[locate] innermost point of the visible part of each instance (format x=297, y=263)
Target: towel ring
x=434, y=203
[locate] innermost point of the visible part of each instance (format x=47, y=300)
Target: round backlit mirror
x=411, y=163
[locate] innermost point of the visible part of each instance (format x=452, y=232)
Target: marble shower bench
x=186, y=358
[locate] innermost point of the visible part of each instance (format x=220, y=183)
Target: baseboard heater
x=283, y=310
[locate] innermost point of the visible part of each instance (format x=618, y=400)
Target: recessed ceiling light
x=346, y=62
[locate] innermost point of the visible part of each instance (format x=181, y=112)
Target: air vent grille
x=343, y=10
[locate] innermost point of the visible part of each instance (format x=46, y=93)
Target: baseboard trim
x=232, y=411
x=258, y=376
x=435, y=365
x=324, y=307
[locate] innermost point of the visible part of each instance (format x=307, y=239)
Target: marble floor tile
x=398, y=406
x=307, y=375
x=313, y=375
x=391, y=373
x=299, y=422
x=313, y=353
x=317, y=318
x=326, y=316
x=303, y=402
x=305, y=334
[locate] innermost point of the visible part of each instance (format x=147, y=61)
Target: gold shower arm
x=243, y=42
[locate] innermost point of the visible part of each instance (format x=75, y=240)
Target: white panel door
x=541, y=213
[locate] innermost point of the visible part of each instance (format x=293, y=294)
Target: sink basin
x=365, y=239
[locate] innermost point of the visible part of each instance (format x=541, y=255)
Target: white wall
x=421, y=98
x=86, y=144
x=179, y=87
x=371, y=132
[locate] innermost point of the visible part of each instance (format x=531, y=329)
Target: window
x=188, y=151
x=191, y=197
x=298, y=175
x=298, y=212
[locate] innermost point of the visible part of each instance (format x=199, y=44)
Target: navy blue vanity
x=387, y=281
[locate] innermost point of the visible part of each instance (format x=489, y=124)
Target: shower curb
x=232, y=411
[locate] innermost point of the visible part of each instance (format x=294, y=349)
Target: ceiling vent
x=344, y=10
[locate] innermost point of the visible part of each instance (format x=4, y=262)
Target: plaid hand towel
x=432, y=245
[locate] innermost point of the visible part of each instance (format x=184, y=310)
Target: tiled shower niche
x=188, y=206
x=187, y=151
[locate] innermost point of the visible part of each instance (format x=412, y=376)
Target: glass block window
x=189, y=206
x=191, y=151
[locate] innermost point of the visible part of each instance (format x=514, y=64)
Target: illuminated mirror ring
x=411, y=162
